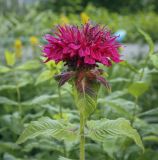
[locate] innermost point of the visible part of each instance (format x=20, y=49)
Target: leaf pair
x=98, y=130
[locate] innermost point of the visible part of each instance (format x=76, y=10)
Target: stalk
x=60, y=103
x=18, y=93
x=134, y=111
x=82, y=137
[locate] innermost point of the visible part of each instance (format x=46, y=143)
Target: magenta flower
x=82, y=47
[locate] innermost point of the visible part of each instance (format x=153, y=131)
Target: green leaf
x=116, y=94
x=122, y=106
x=105, y=128
x=7, y=146
x=8, y=87
x=85, y=95
x=48, y=127
x=40, y=100
x=4, y=69
x=138, y=88
x=149, y=41
x=114, y=145
x=8, y=156
x=10, y=58
x=85, y=103
x=29, y=65
x=63, y=158
x=151, y=138
x=7, y=101
x=150, y=112
x=44, y=76
x=154, y=59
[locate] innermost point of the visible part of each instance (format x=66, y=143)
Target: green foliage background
x=28, y=91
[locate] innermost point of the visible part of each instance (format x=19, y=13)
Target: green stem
x=82, y=137
x=144, y=65
x=18, y=98
x=61, y=116
x=18, y=92
x=60, y=104
x=134, y=111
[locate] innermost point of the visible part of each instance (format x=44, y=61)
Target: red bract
x=82, y=47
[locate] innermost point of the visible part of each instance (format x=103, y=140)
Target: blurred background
x=28, y=91
x=23, y=19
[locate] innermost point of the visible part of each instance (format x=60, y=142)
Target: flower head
x=33, y=40
x=18, y=48
x=64, y=20
x=84, y=18
x=82, y=47
x=18, y=43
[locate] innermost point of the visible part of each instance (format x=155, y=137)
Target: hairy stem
x=82, y=137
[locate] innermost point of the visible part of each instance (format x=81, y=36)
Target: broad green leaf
x=10, y=58
x=44, y=76
x=29, y=65
x=105, y=128
x=149, y=41
x=154, y=59
x=48, y=127
x=7, y=101
x=138, y=88
x=4, y=69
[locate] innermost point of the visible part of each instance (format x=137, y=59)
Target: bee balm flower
x=82, y=47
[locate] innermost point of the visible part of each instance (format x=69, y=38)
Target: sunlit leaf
x=44, y=76
x=138, y=88
x=10, y=58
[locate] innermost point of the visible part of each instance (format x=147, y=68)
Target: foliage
x=38, y=22
x=28, y=92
